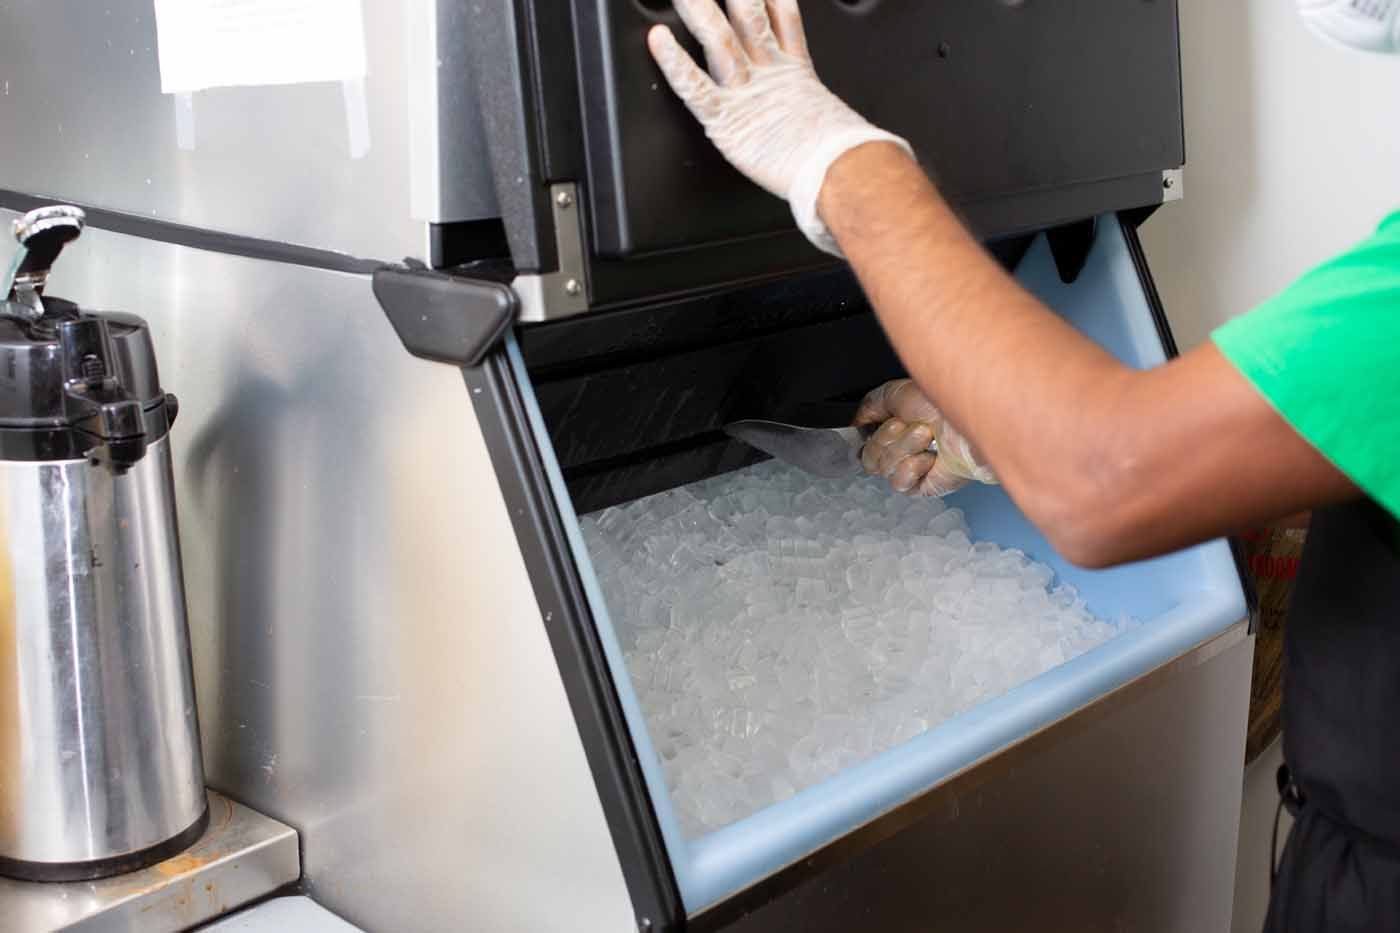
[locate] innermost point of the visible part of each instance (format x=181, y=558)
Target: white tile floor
x=1256, y=820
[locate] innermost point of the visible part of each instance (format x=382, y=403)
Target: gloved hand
x=762, y=103
x=1369, y=27
x=898, y=450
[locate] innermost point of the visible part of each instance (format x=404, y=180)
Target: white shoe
x=1368, y=25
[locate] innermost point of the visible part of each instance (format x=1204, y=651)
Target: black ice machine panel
x=1030, y=113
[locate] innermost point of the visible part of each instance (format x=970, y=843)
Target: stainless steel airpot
x=100, y=769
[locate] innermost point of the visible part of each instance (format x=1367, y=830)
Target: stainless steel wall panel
x=84, y=119
x=369, y=657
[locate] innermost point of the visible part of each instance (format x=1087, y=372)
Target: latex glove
x=762, y=103
x=898, y=450
x=1369, y=27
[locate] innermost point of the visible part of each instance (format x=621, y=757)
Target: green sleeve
x=1326, y=354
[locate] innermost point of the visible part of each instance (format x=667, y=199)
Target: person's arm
x=1111, y=464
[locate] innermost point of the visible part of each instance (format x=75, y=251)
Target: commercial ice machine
x=432, y=305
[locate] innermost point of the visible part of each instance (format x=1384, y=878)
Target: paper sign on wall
x=234, y=43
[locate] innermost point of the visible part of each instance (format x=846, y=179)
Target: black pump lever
x=42, y=234
x=95, y=399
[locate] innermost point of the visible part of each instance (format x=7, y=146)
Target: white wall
x=1292, y=151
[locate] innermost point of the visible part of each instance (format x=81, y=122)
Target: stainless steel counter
x=241, y=857
x=280, y=915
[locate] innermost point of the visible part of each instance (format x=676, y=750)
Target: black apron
x=1341, y=730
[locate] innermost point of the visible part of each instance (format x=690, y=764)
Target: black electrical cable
x=1290, y=797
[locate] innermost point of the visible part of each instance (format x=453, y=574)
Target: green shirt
x=1326, y=354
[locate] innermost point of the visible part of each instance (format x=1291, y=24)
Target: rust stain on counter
x=182, y=864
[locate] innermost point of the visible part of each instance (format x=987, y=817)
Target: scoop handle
x=868, y=430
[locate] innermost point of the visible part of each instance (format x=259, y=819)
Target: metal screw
x=1168, y=182
x=573, y=288
x=94, y=370
x=564, y=200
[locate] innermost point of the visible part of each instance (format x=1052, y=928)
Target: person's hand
x=762, y=103
x=899, y=450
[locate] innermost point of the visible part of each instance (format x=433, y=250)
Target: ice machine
x=460, y=325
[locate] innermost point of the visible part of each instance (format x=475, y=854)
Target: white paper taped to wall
x=237, y=43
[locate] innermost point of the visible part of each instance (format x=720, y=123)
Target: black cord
x=1288, y=797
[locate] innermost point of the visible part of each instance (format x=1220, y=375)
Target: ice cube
x=946, y=522
x=958, y=540
x=753, y=603
x=1036, y=577
x=811, y=592
x=860, y=626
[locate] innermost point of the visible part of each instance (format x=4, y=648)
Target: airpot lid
x=72, y=349
x=73, y=383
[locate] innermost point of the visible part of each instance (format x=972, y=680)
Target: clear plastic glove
x=762, y=103
x=899, y=449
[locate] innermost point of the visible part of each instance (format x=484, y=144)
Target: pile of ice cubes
x=779, y=629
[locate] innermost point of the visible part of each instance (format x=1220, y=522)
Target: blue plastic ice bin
x=1184, y=599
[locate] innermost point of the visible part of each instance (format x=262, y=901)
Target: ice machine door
x=1179, y=602
x=1029, y=115
x=1012, y=105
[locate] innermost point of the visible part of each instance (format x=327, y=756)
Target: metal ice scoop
x=831, y=453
